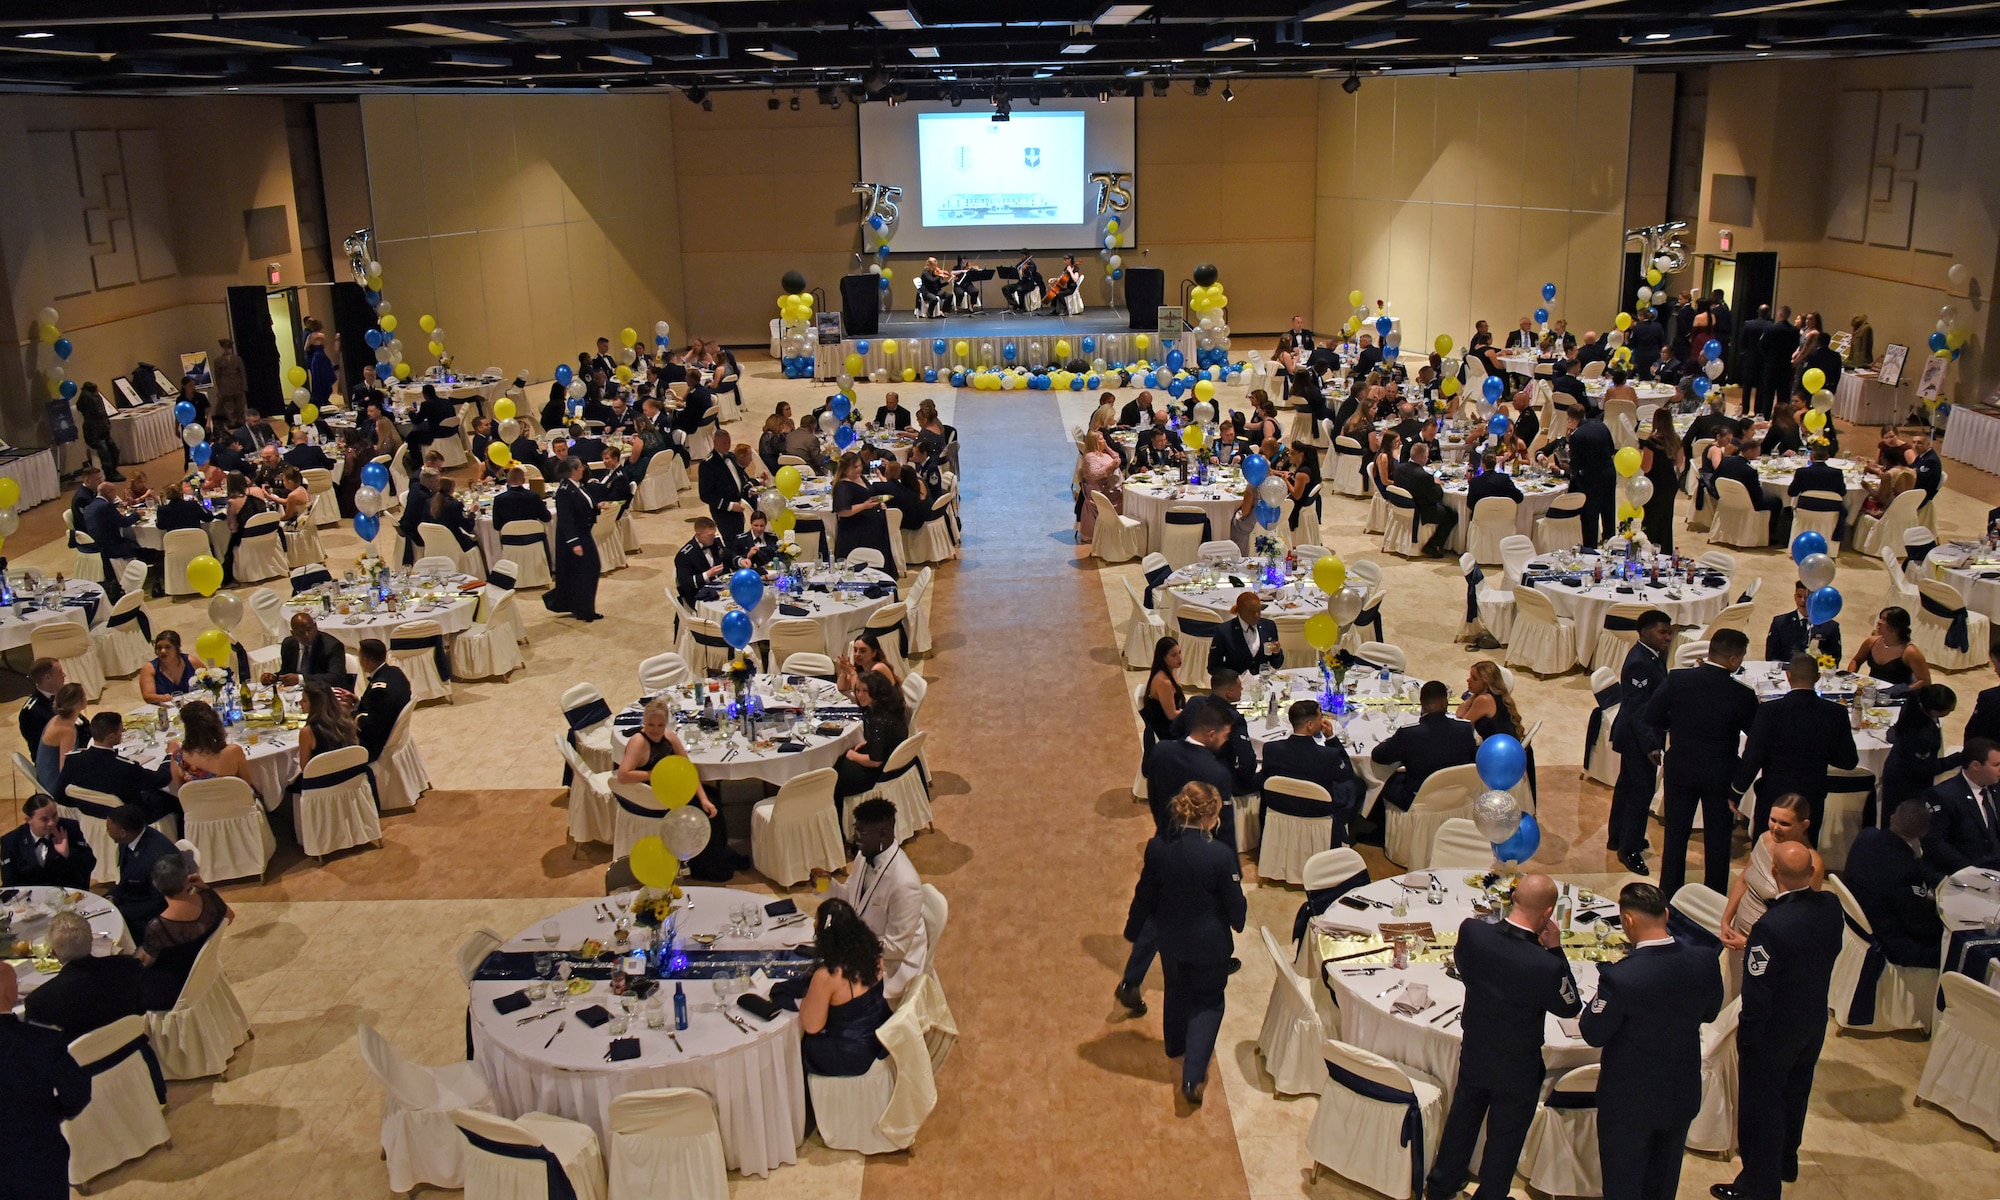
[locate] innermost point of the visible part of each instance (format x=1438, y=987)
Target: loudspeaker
x=257, y=344
x=353, y=317
x=1145, y=291
x=860, y=304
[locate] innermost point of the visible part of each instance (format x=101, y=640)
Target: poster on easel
x=1892, y=364
x=1931, y=382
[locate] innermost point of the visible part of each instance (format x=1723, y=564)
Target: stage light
x=1160, y=86
x=696, y=94
x=1201, y=86
x=1104, y=95
x=795, y=102
x=772, y=104
x=1227, y=95
x=1352, y=83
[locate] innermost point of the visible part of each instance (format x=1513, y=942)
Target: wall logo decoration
x=104, y=214
x=1896, y=168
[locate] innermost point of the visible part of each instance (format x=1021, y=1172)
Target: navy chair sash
x=434, y=643
x=524, y=539
x=902, y=636
x=1607, y=699
x=1413, y=1116
x=1371, y=617
x=583, y=716
x=812, y=525
x=311, y=579
x=127, y=618
x=277, y=527
x=639, y=810
x=1319, y=900
x=1571, y=1100
x=349, y=775
x=713, y=641
x=1311, y=498
x=915, y=764
x=143, y=1047
x=1188, y=518
x=559, y=1185
x=91, y=808
x=1955, y=633
x=1473, y=578
x=501, y=580
x=1618, y=624
x=1969, y=952
x=1154, y=578
x=1861, y=1006
x=1683, y=929
x=1357, y=452
x=1200, y=629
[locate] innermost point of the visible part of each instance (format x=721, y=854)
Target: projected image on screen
x=978, y=171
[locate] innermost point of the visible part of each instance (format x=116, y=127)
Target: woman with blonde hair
x=1756, y=887
x=1489, y=707
x=1100, y=474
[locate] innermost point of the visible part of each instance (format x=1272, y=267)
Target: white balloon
x=396, y=345
x=627, y=356
x=9, y=522
x=1816, y=571
x=1957, y=274
x=577, y=390
x=383, y=308
x=374, y=268
x=1645, y=295
x=55, y=373
x=685, y=831
x=1615, y=337
x=1345, y=605
x=1823, y=400
x=395, y=357
x=1007, y=382
x=367, y=500
x=874, y=268
x=48, y=317
x=1204, y=412
x=225, y=610
x=1115, y=261
x=659, y=329
x=194, y=435
x=1640, y=489
x=1271, y=491
x=300, y=395
x=1713, y=370
x=382, y=354
x=1497, y=814
x=509, y=429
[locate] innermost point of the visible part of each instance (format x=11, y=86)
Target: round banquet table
x=1371, y=708
x=18, y=620
x=1967, y=900
x=145, y=433
x=489, y=537
x=475, y=391
x=1871, y=742
x=1217, y=584
x=1776, y=474
x=33, y=906
x=148, y=534
x=757, y=1079
x=1586, y=604
x=721, y=755
x=1974, y=572
x=453, y=615
x=1649, y=393
x=273, y=756
x=1148, y=501
x=1538, y=492
x=836, y=601
x=1524, y=364
x=1428, y=1040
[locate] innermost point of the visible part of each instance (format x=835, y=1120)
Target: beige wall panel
x=1181, y=213
x=1370, y=266
x=593, y=312
x=459, y=306
x=343, y=170
x=576, y=157
x=510, y=317
x=409, y=280
x=1602, y=137
x=1413, y=149
x=1596, y=261
x=1552, y=122
x=1279, y=205
x=493, y=196
x=1374, y=137
x=806, y=150
x=1450, y=283
x=1410, y=253
x=1336, y=141
x=720, y=211
x=1278, y=137
x=1496, y=262
x=633, y=304
x=1544, y=257
x=545, y=250
x=1503, y=137
x=444, y=140
x=704, y=150
x=395, y=166
x=1454, y=177
x=538, y=186
x=1267, y=281
x=1185, y=140
x=1333, y=256
x=729, y=296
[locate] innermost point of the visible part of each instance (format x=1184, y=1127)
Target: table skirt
x=145, y=433
x=1973, y=438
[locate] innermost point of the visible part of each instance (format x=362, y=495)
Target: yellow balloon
x=388, y=323
x=498, y=454
x=1630, y=512
x=887, y=273
x=204, y=574
x=402, y=370
x=651, y=864
x=1204, y=389
x=427, y=322
x=628, y=336
x=1449, y=387
x=909, y=374
x=623, y=374
x=1627, y=461
x=1354, y=298
x=674, y=781
x=374, y=283
x=1814, y=379
x=10, y=492
x=1653, y=276
x=856, y=365
x=1322, y=631
x=436, y=348
x=961, y=349
x=784, y=521
x=308, y=413
x=1062, y=348
x=1443, y=343
x=1191, y=437
x=1623, y=321
x=503, y=409
x=1814, y=420
x=1945, y=353
x=50, y=334
x=213, y=646
x=296, y=376
x=1955, y=339
x=788, y=481
x=888, y=345
x=1330, y=574
x=1139, y=342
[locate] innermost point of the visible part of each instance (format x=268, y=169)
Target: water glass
x=756, y=913
x=618, y=1025
x=545, y=964
x=656, y=1015
x=551, y=932
x=724, y=984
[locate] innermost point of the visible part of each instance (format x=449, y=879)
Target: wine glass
x=756, y=915
x=724, y=983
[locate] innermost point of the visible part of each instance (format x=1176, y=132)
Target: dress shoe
x=1235, y=965
x=1726, y=1191
x=1134, y=1002
x=1191, y=1092
x=1791, y=1173
x=1635, y=863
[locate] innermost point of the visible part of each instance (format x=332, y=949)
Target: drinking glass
x=619, y=1024
x=656, y=1014
x=551, y=932
x=756, y=912
x=723, y=983
x=545, y=964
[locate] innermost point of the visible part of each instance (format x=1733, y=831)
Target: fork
x=560, y=1026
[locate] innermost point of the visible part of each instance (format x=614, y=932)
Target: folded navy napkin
x=793, y=610
x=790, y=747
x=511, y=1002
x=707, y=593
x=593, y=1016
x=623, y=1049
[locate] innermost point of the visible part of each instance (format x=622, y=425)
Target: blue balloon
x=1493, y=389
x=184, y=413
x=1117, y=274
x=841, y=405
x=1383, y=325
x=63, y=348
x=1712, y=350
x=930, y=374
x=1268, y=513
x=1700, y=385
x=1392, y=351
x=68, y=389
x=1522, y=846
x=375, y=475
x=937, y=346
x=1809, y=542
x=1175, y=360
x=1008, y=352
x=201, y=453
x=1152, y=379
x=1175, y=387
x=876, y=222
x=564, y=374
x=374, y=338
x=366, y=526
x=1076, y=383
x=1256, y=469
x=861, y=347
x=1541, y=316
x=884, y=283
x=736, y=628
x=882, y=250
x=1548, y=293
x=958, y=379
x=1094, y=380
x=843, y=436
x=1937, y=342
x=1823, y=605
x=1499, y=425
x=1502, y=762
x=746, y=587
x=1089, y=344
x=372, y=296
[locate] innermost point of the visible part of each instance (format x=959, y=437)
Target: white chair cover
x=881, y=1111
x=636, y=814
x=1872, y=535
x=1116, y=538
x=179, y=548
x=325, y=508
x=399, y=773
x=1540, y=641
x=666, y=1143
x=595, y=740
x=1600, y=760
x=663, y=671
x=1905, y=997
x=69, y=643
x=126, y=1116
x=473, y=951
x=123, y=645
x=302, y=544
x=798, y=635
x=228, y=828
x=1560, y=1155
x=665, y=480
x=94, y=831
x=1962, y=1072
x=1458, y=847
x=931, y=542
x=1714, y=1128
x=905, y=784
x=1181, y=542
x=1408, y=834
x=337, y=807
x=260, y=552
x=590, y=803
x=410, y=648
x=1372, y=1141
x=488, y=649
x=797, y=830
x=1561, y=528
x=491, y=1173
x=526, y=544
x=1289, y=841
x=1492, y=521
x=1737, y=521
x=490, y=597
x=419, y=1141
x=610, y=541
x=917, y=613
x=197, y=1036
x=1397, y=525
x=1194, y=627
x=1932, y=628
x=1614, y=644
x=1290, y=1039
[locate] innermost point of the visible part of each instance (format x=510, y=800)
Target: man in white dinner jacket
x=884, y=888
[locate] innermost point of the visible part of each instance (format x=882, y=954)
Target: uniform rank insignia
x=1757, y=959
x=1597, y=1005
x=1568, y=992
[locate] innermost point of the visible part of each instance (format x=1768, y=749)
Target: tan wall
x=529, y=226
x=1434, y=195
x=199, y=195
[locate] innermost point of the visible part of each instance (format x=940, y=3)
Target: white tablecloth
x=718, y=758
x=144, y=433
x=1694, y=605
x=1863, y=399
x=18, y=630
x=35, y=471
x=454, y=617
x=1966, y=900
x=273, y=758
x=1973, y=437
x=840, y=614
x=1299, y=597
x=474, y=392
x=147, y=534
x=1775, y=475
x=1149, y=503
x=757, y=1079
x=32, y=909
x=1979, y=584
x=1534, y=505
x=1376, y=708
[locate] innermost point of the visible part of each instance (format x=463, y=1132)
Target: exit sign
x=1727, y=239
x=271, y=274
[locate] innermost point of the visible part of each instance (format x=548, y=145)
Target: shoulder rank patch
x=1756, y=960
x=1568, y=990
x=1597, y=1005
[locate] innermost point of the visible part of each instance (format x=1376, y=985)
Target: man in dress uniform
x=724, y=489
x=1886, y=872
x=1515, y=974
x=1793, y=741
x=1647, y=1015
x=140, y=846
x=1314, y=754
x=380, y=696
x=1793, y=633
x=1593, y=472
x=1438, y=740
x=1964, y=826
x=1787, y=965
x=46, y=674
x=1249, y=643
x=1638, y=744
x=1704, y=710
x=701, y=563
x=576, y=563
x=44, y=1088
x=47, y=849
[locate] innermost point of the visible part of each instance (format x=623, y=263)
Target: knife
x=1447, y=1012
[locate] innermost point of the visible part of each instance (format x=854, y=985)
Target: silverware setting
x=1384, y=993
x=538, y=1016
x=560, y=1026
x=1447, y=1012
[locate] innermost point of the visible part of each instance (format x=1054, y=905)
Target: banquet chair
x=488, y=650
x=1217, y=552
x=811, y=664
x=302, y=544
x=887, y=624
x=865, y=556
x=1182, y=531
x=89, y=563
x=399, y=772
x=797, y=635
x=916, y=618
x=1349, y=463
x=1940, y=608
x=880, y=1112
x=1290, y=1039
x=436, y=541
x=1962, y=1071
x=1818, y=512
x=1195, y=627
x=1382, y=654
x=1492, y=521
x=905, y=784
x=126, y=1115
x=796, y=830
x=936, y=914
x=419, y=1142
x=417, y=647
x=1340, y=870
x=1872, y=534
x=1600, y=761
x=228, y=828
x=1288, y=841
x=1115, y=537
x=27, y=773
x=1403, y=533
x=436, y=564
x=1927, y=511
x=125, y=643
x=493, y=593
x=1901, y=997
x=1378, y=504
x=1848, y=791
x=1491, y=607
x=261, y=553
x=1361, y=1130
x=511, y=1160
x=1302, y=518
x=132, y=576
x=610, y=541
x=451, y=443
x=1902, y=593
x=591, y=806
x=1735, y=616
x=1311, y=553
x=1144, y=628
x=1408, y=834
x=1561, y=528
x=931, y=542
x=1689, y=654
x=473, y=951
x=1714, y=1127
x=1737, y=521
x=1560, y=1156
x=337, y=805
x=665, y=480
x=665, y=1142
x=178, y=548
x=1516, y=552
x=90, y=809
x=1592, y=370
x=663, y=671
x=1458, y=847
x=1619, y=635
x=325, y=509
x=526, y=543
x=1541, y=641
x=1292, y=638
x=810, y=534
x=705, y=649
x=636, y=814
x=915, y=688
x=196, y=1037
x=589, y=719
x=1352, y=637
x=69, y=644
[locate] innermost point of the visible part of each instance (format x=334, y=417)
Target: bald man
x=1515, y=974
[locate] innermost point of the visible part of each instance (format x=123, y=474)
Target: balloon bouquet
x=1502, y=763
x=795, y=327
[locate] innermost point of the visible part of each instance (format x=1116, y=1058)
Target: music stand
x=977, y=276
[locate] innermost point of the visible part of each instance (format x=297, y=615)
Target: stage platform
x=987, y=335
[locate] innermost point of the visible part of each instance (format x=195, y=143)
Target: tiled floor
x=1051, y=1091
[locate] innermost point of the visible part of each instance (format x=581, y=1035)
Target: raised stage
x=987, y=335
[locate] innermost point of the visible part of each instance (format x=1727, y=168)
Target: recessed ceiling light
x=458, y=30
x=1078, y=48
x=923, y=52
x=465, y=58
x=1658, y=37
x=622, y=55
x=775, y=53
x=353, y=64
x=1378, y=39
x=329, y=66
x=638, y=12
x=675, y=20
x=1528, y=37
x=60, y=47
x=549, y=56
x=1338, y=9
x=39, y=33
x=896, y=18
x=233, y=34
x=1469, y=57
x=1121, y=14
x=1226, y=43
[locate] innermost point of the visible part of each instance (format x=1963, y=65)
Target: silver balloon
x=1713, y=370
x=1640, y=489
x=577, y=389
x=9, y=522
x=225, y=610
x=685, y=831
x=1816, y=571
x=1498, y=815
x=1823, y=400
x=770, y=502
x=1272, y=491
x=1345, y=605
x=300, y=395
x=383, y=354
x=194, y=435
x=1204, y=413
x=509, y=429
x=367, y=500
x=828, y=422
